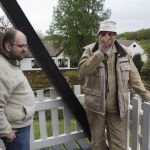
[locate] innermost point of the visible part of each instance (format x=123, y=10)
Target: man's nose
x=24, y=49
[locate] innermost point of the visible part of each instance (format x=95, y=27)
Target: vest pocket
x=92, y=99
x=125, y=68
x=93, y=82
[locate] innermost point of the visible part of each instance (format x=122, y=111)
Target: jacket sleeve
x=136, y=83
x=5, y=92
x=89, y=62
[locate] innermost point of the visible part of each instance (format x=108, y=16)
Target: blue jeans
x=21, y=142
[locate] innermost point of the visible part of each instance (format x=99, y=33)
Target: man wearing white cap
x=108, y=69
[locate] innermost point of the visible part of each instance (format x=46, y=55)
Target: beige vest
x=96, y=87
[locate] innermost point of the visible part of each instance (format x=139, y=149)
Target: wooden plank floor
x=81, y=144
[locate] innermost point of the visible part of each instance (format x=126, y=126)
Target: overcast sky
x=130, y=15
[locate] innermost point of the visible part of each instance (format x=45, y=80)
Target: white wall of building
x=26, y=64
x=30, y=63
x=135, y=48
x=61, y=56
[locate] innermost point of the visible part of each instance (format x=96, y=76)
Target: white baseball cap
x=108, y=25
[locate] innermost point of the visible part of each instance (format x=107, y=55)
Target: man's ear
x=8, y=47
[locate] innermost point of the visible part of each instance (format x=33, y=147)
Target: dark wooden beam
x=20, y=21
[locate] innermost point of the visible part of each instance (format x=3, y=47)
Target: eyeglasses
x=103, y=33
x=20, y=45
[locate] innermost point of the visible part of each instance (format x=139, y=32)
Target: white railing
x=138, y=125
x=53, y=104
x=138, y=122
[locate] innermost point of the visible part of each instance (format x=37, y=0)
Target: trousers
x=21, y=142
x=107, y=132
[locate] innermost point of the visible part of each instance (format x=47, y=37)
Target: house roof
x=126, y=43
x=49, y=47
x=52, y=51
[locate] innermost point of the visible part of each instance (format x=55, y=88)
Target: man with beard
x=17, y=100
x=108, y=69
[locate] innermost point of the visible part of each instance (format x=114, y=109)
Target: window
x=73, y=64
x=34, y=64
x=62, y=63
x=134, y=45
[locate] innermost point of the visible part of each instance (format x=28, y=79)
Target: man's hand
x=105, y=43
x=11, y=136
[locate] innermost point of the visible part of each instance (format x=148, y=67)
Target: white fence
x=53, y=104
x=138, y=123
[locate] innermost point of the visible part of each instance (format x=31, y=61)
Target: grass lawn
x=49, y=127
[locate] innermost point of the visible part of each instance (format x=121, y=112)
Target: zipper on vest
x=117, y=85
x=106, y=79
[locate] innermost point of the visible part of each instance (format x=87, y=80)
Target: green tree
x=146, y=68
x=143, y=34
x=4, y=24
x=75, y=24
x=138, y=61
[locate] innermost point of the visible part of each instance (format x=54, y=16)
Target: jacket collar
x=12, y=61
x=120, y=50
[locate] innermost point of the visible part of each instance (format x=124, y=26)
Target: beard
x=16, y=56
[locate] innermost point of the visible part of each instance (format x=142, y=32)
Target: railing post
x=66, y=120
x=77, y=91
x=40, y=94
x=53, y=93
x=54, y=114
x=128, y=124
x=146, y=127
x=135, y=123
x=42, y=118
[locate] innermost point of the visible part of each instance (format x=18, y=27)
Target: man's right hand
x=11, y=136
x=105, y=43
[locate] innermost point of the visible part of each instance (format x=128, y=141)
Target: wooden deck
x=81, y=144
